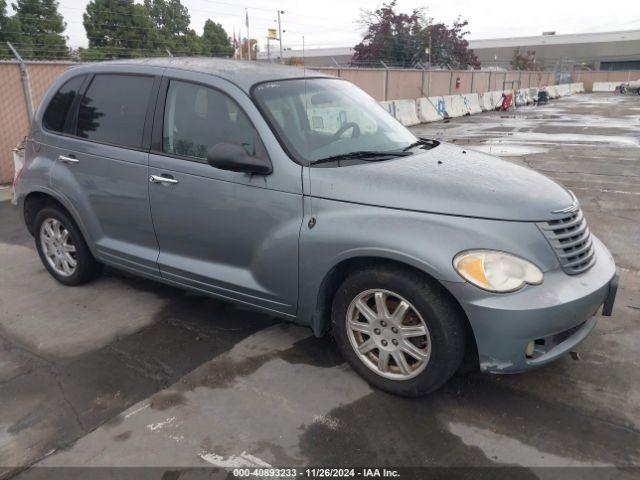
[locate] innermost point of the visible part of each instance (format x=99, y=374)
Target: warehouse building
x=595, y=51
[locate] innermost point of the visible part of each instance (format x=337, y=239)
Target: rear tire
x=430, y=321
x=62, y=248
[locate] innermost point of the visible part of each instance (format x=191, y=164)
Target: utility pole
x=246, y=17
x=280, y=34
x=429, y=50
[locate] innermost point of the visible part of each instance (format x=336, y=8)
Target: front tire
x=62, y=248
x=398, y=329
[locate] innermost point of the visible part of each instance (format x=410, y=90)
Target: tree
x=9, y=31
x=402, y=39
x=391, y=37
x=118, y=29
x=523, y=61
x=215, y=41
x=448, y=45
x=169, y=16
x=171, y=21
x=41, y=27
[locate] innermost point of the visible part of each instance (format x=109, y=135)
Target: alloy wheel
x=57, y=247
x=388, y=334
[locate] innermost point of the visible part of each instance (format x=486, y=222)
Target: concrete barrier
x=430, y=109
x=496, y=98
x=564, y=90
x=604, y=86
x=472, y=103
x=405, y=112
x=485, y=101
x=389, y=107
x=439, y=104
x=454, y=106
x=520, y=98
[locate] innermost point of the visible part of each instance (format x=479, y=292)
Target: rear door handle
x=161, y=179
x=68, y=159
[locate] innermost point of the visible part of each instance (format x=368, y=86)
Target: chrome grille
x=571, y=240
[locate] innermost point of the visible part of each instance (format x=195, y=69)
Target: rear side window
x=56, y=113
x=113, y=109
x=197, y=117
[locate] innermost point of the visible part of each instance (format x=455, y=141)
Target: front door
x=228, y=233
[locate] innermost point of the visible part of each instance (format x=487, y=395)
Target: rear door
x=231, y=234
x=102, y=162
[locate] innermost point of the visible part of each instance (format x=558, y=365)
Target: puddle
x=508, y=150
x=510, y=451
x=574, y=138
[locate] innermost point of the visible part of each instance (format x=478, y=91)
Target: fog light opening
x=528, y=352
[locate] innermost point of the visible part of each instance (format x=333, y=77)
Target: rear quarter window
x=56, y=113
x=113, y=109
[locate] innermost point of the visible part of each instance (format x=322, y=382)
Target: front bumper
x=556, y=315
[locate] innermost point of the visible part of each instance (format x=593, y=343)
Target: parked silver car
x=300, y=196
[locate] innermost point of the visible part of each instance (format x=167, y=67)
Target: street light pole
x=280, y=34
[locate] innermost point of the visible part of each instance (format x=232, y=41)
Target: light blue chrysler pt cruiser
x=298, y=195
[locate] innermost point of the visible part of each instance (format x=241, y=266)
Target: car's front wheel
x=398, y=329
x=62, y=248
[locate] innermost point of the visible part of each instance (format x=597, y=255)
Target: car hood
x=447, y=180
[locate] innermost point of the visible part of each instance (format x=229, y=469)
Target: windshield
x=321, y=117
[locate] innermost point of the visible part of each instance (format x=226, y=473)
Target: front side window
x=197, y=118
x=56, y=113
x=319, y=118
x=114, y=108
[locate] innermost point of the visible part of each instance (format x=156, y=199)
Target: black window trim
x=158, y=120
x=71, y=122
x=69, y=114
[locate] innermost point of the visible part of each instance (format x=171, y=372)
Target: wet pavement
x=126, y=372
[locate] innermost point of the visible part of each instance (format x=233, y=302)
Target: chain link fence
x=14, y=117
x=381, y=83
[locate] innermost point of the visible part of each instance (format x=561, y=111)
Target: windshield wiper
x=367, y=155
x=427, y=142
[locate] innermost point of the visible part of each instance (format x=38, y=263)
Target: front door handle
x=68, y=159
x=161, y=179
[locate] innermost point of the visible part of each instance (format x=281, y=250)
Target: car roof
x=244, y=74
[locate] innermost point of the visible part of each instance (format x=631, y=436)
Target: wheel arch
x=321, y=321
x=36, y=200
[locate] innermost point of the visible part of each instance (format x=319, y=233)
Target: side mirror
x=230, y=156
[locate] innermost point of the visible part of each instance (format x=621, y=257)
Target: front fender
x=428, y=242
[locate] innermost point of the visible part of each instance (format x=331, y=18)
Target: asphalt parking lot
x=126, y=372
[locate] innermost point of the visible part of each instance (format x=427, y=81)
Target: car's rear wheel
x=398, y=329
x=62, y=248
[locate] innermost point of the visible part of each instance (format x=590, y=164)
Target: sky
x=334, y=23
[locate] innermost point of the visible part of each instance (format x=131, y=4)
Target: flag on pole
x=246, y=17
x=235, y=44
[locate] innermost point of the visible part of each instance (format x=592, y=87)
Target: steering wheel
x=344, y=128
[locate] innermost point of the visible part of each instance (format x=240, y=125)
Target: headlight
x=496, y=271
